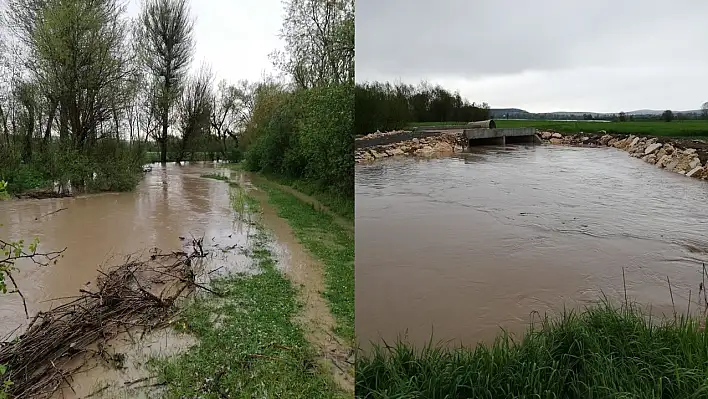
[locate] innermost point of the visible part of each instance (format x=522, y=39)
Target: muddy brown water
x=170, y=205
x=460, y=247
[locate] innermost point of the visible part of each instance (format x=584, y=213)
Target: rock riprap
x=666, y=153
x=443, y=143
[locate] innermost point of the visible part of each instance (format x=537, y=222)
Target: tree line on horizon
x=384, y=106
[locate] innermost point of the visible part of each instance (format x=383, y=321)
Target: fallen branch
x=50, y=213
x=44, y=357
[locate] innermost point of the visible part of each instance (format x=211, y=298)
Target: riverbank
x=380, y=145
x=684, y=156
x=605, y=351
x=292, y=324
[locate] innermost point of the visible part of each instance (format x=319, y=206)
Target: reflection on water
x=465, y=245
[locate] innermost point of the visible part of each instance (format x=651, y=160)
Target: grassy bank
x=328, y=242
x=605, y=351
x=688, y=128
x=249, y=345
x=337, y=202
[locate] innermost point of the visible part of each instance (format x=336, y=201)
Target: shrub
x=308, y=136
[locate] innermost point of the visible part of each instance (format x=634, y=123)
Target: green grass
x=216, y=176
x=686, y=128
x=339, y=203
x=256, y=349
x=327, y=241
x=653, y=128
x=603, y=352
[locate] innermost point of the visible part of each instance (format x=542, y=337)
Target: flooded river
x=170, y=205
x=463, y=246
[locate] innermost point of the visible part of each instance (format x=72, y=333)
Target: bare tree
x=228, y=113
x=165, y=36
x=319, y=42
x=704, y=110
x=195, y=109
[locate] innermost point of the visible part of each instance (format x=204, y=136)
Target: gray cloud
x=596, y=55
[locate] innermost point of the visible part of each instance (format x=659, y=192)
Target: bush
x=25, y=177
x=308, y=136
x=3, y=190
x=110, y=165
x=234, y=154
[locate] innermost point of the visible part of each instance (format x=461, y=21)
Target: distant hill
x=499, y=113
x=659, y=112
x=504, y=111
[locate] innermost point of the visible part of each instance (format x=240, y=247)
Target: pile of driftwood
x=136, y=295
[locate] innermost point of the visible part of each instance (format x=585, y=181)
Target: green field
x=692, y=128
x=603, y=352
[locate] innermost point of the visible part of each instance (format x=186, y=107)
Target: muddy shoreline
x=688, y=157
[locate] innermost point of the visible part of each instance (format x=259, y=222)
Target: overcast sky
x=235, y=37
x=543, y=55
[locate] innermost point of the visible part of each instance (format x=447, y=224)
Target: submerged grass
x=329, y=242
x=249, y=346
x=605, y=351
x=216, y=176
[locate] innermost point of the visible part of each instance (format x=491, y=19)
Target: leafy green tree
x=319, y=42
x=79, y=57
x=667, y=116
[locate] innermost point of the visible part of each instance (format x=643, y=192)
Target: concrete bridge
x=494, y=136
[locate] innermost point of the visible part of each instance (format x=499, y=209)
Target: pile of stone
x=445, y=143
x=378, y=134
x=666, y=154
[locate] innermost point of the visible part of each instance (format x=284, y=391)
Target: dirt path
x=307, y=275
x=308, y=200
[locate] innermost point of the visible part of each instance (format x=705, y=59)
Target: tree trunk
x=63, y=122
x=6, y=131
x=165, y=121
x=163, y=143
x=50, y=119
